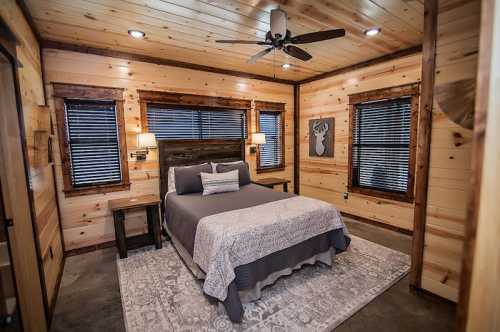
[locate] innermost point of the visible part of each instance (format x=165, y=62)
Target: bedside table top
x=133, y=202
x=271, y=181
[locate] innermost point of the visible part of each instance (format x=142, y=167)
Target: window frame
x=265, y=106
x=190, y=100
x=62, y=91
x=412, y=90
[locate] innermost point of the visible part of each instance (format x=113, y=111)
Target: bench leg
x=119, y=217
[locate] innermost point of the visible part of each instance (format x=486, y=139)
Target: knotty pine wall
x=87, y=220
x=37, y=130
x=450, y=159
x=326, y=178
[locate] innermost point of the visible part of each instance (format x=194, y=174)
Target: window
x=184, y=116
x=270, y=119
x=92, y=139
x=383, y=142
x=177, y=122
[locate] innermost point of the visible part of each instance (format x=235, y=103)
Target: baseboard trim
x=378, y=224
x=87, y=249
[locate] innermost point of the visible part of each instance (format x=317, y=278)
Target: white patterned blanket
x=227, y=240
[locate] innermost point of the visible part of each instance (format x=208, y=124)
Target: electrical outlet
x=346, y=195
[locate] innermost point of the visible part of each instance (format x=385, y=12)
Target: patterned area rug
x=160, y=294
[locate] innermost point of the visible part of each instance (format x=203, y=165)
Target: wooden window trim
x=183, y=99
x=266, y=106
x=387, y=93
x=62, y=91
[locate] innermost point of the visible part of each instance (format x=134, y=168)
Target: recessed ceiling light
x=286, y=65
x=136, y=33
x=372, y=32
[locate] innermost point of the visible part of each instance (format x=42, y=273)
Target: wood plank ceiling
x=186, y=30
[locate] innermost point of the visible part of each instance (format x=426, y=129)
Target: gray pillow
x=243, y=172
x=188, y=180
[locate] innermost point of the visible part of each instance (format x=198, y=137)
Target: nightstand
x=150, y=204
x=271, y=182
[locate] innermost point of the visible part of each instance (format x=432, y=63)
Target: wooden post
x=424, y=139
x=296, y=138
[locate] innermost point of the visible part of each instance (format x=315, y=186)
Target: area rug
x=160, y=294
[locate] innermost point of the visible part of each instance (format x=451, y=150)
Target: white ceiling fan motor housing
x=278, y=23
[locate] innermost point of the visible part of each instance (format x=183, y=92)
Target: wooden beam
x=296, y=138
x=481, y=107
x=27, y=15
x=424, y=140
x=159, y=61
x=384, y=58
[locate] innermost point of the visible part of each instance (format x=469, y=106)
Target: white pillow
x=220, y=182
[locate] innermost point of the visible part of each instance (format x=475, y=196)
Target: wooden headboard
x=191, y=152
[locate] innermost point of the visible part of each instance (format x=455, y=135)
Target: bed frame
x=191, y=152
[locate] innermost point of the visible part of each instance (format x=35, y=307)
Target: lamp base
x=253, y=149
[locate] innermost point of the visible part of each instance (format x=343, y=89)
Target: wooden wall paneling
x=36, y=135
x=327, y=178
x=424, y=139
x=483, y=306
x=451, y=152
x=87, y=220
x=15, y=195
x=482, y=102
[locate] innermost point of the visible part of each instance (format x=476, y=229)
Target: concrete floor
x=89, y=298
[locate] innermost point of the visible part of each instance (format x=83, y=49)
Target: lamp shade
x=258, y=138
x=146, y=140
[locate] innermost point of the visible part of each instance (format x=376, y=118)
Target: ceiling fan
x=279, y=37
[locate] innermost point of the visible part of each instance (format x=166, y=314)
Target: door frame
x=8, y=49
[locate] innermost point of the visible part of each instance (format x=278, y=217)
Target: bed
x=240, y=242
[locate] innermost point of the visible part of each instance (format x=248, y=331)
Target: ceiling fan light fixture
x=372, y=32
x=286, y=65
x=136, y=34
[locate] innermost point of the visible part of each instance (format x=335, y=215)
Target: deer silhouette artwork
x=320, y=128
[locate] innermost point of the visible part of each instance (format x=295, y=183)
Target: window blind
x=381, y=144
x=174, y=122
x=93, y=142
x=271, y=153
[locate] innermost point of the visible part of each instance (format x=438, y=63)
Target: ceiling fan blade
x=317, y=36
x=252, y=42
x=259, y=55
x=297, y=52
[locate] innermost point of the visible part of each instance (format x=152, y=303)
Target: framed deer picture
x=321, y=134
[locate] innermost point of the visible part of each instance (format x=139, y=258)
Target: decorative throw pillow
x=243, y=172
x=171, y=180
x=214, y=165
x=219, y=182
x=187, y=178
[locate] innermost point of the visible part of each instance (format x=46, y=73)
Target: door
x=17, y=212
